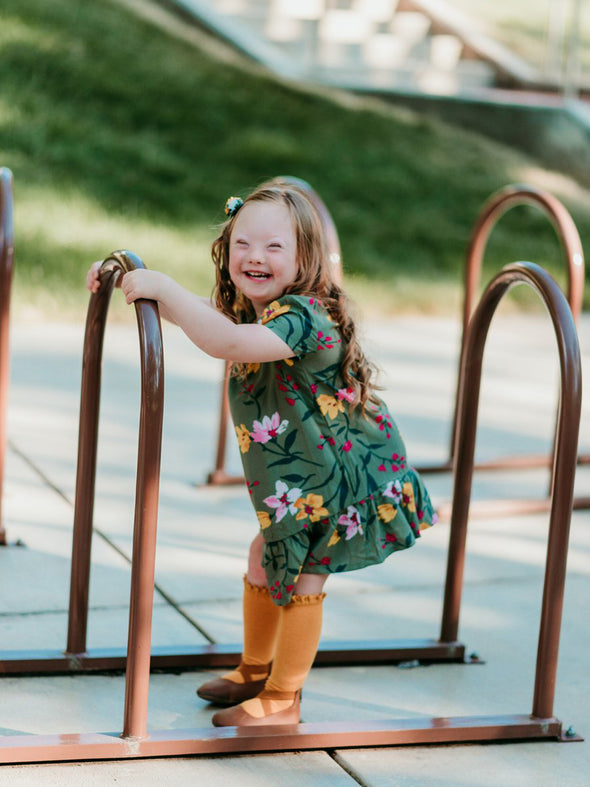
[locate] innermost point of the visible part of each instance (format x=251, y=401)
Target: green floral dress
x=331, y=487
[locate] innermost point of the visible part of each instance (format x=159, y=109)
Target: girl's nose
x=256, y=255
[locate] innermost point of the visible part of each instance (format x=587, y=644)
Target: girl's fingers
x=127, y=287
x=92, y=280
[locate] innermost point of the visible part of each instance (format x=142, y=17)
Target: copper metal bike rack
x=147, y=486
x=219, y=475
x=497, y=205
x=6, y=267
x=136, y=741
x=147, y=489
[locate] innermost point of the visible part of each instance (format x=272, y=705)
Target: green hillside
x=120, y=135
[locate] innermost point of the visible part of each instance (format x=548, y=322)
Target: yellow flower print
x=312, y=507
x=273, y=310
x=330, y=406
x=252, y=368
x=387, y=512
x=334, y=539
x=263, y=519
x=243, y=438
x=408, y=493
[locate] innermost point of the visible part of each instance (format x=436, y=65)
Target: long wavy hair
x=314, y=278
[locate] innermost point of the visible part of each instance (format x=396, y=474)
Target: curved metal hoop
x=146, y=492
x=6, y=268
x=496, y=206
x=500, y=203
x=564, y=465
x=219, y=474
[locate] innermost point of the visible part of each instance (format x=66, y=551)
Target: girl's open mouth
x=252, y=275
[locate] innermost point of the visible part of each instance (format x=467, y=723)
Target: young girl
x=325, y=465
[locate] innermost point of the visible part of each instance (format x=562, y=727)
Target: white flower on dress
x=352, y=520
x=283, y=500
x=270, y=427
x=394, y=491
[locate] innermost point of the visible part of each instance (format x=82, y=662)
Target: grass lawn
x=122, y=136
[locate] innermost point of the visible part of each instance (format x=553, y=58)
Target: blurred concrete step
x=361, y=43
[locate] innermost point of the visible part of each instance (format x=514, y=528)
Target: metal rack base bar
x=306, y=736
x=19, y=662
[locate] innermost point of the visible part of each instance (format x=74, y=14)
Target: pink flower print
x=274, y=590
x=269, y=428
x=347, y=446
x=329, y=440
x=394, y=491
x=286, y=384
x=398, y=462
x=352, y=520
x=313, y=388
x=389, y=539
x=323, y=561
x=384, y=422
x=283, y=500
x=326, y=341
x=346, y=393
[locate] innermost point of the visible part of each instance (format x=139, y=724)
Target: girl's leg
x=256, y=574
x=310, y=584
x=300, y=629
x=298, y=638
x=261, y=619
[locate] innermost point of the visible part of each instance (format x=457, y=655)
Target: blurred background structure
x=445, y=47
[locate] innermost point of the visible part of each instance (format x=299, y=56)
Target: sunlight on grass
x=140, y=153
x=76, y=222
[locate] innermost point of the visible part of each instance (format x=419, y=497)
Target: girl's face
x=263, y=252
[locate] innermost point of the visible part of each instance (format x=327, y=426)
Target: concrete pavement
x=202, y=541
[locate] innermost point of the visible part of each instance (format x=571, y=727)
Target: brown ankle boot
x=264, y=707
x=221, y=691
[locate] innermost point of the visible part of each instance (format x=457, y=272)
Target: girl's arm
x=206, y=327
x=93, y=284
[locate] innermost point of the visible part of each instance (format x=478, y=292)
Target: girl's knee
x=310, y=584
x=256, y=574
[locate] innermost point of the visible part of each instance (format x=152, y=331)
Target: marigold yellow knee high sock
x=299, y=633
x=261, y=620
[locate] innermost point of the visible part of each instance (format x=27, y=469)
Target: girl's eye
x=275, y=246
x=240, y=242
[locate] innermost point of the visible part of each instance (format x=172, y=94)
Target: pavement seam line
x=111, y=543
x=335, y=756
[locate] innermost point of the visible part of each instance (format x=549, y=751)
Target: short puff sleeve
x=301, y=322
